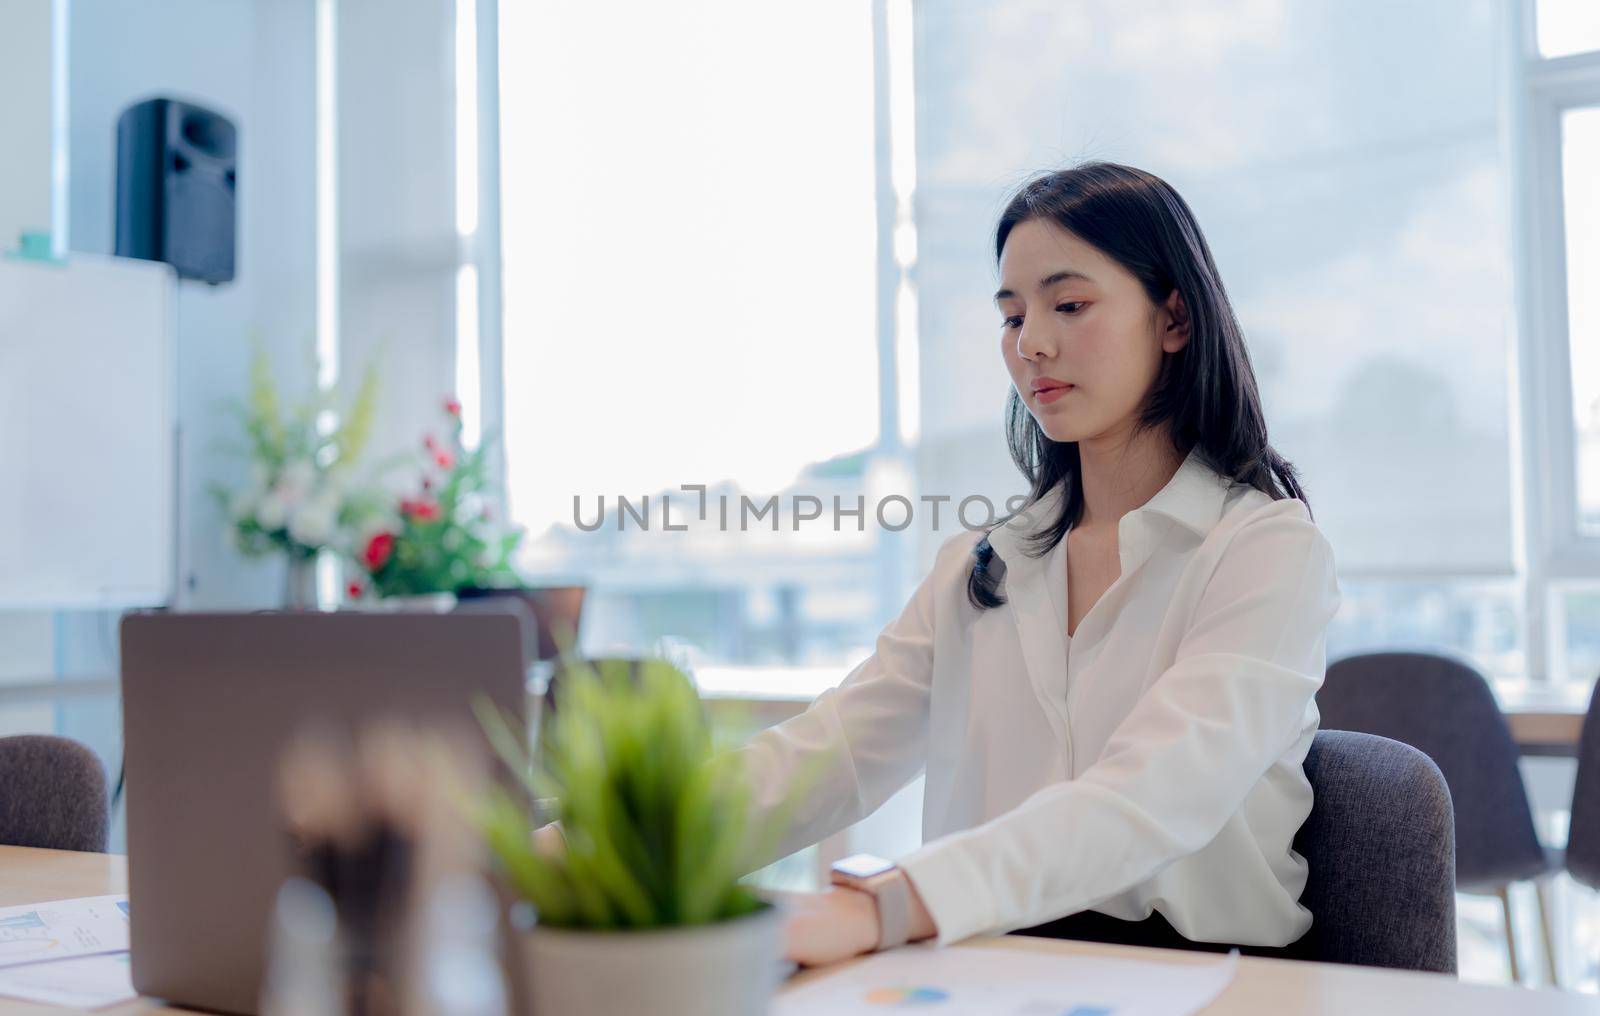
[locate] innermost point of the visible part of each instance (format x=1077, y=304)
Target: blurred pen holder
x=315, y=967
x=387, y=912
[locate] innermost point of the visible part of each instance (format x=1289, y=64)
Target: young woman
x=1110, y=692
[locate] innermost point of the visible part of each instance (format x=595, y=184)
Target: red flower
x=354, y=590
x=379, y=549
x=452, y=406
x=422, y=509
x=429, y=443
x=443, y=459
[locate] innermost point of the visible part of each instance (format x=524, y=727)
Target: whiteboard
x=87, y=416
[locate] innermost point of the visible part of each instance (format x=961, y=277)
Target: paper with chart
x=63, y=929
x=1006, y=981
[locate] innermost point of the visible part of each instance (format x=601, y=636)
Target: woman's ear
x=1173, y=321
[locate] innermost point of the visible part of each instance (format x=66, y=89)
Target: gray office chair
x=1380, y=843
x=1583, y=835
x=52, y=794
x=1446, y=708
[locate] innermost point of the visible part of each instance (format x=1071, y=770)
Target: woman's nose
x=1033, y=343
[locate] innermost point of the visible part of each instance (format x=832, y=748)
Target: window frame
x=1554, y=548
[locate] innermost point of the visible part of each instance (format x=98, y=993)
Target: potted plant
x=301, y=498
x=441, y=537
x=644, y=909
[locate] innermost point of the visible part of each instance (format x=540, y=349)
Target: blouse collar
x=1193, y=498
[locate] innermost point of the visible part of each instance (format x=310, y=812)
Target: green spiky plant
x=657, y=823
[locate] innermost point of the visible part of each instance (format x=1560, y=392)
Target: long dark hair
x=1205, y=395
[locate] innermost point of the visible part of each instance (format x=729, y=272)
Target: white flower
x=272, y=512
x=259, y=476
x=313, y=524
x=295, y=482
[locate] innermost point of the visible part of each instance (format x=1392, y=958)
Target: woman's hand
x=839, y=923
x=829, y=926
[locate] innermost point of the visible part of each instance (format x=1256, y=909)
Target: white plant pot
x=729, y=968
x=425, y=603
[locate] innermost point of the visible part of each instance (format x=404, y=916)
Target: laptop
x=209, y=703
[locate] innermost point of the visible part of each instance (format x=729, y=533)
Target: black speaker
x=175, y=188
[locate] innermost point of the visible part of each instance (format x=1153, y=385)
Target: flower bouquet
x=443, y=536
x=301, y=496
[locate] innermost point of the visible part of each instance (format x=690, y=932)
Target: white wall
x=25, y=119
x=397, y=227
x=25, y=63
x=253, y=61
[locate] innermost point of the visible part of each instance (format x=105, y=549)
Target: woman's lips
x=1048, y=395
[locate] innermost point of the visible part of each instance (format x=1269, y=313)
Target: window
x=1580, y=169
x=1371, y=216
x=1567, y=26
x=691, y=298
x=1478, y=619
x=1576, y=613
x=1348, y=170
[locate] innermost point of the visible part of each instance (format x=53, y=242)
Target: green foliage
x=658, y=825
x=441, y=538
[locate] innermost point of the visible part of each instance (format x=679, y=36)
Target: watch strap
x=893, y=895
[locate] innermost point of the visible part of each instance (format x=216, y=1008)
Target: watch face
x=863, y=865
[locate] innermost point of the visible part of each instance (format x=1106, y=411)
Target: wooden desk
x=1545, y=721
x=1262, y=986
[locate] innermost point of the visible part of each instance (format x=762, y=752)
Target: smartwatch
x=887, y=885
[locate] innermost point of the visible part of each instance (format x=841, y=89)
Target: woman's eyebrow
x=1045, y=283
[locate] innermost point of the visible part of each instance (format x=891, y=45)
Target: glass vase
x=300, y=583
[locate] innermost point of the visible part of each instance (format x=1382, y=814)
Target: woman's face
x=1072, y=316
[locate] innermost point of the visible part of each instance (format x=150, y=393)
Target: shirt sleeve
x=858, y=743
x=1234, y=700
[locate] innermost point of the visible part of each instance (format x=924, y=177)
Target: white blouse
x=1158, y=767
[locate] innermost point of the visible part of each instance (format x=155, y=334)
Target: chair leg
x=1511, y=936
x=1541, y=888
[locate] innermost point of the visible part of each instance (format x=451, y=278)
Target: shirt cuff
x=951, y=887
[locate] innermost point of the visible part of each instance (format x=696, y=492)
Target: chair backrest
x=1583, y=835
x=1380, y=845
x=1380, y=842
x=52, y=794
x=1445, y=708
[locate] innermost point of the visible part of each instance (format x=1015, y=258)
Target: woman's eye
x=1016, y=321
